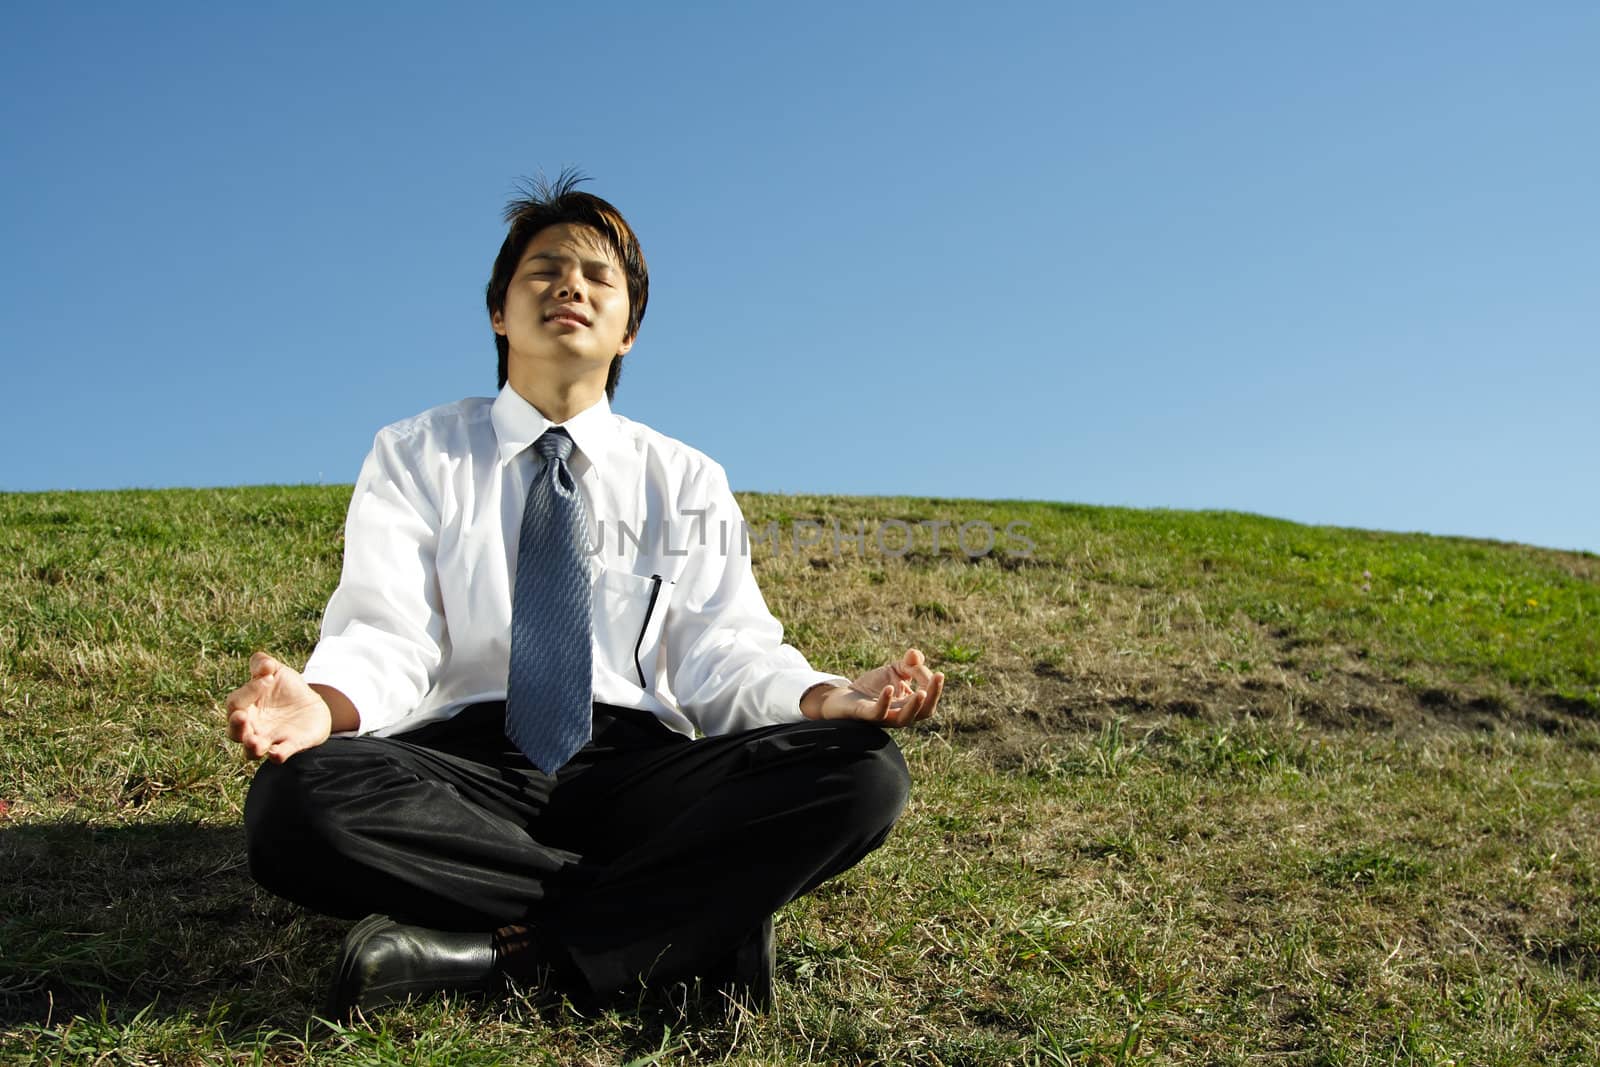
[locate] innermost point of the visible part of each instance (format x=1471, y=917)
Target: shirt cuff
x=345, y=673
x=790, y=686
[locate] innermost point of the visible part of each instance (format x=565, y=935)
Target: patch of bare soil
x=1022, y=703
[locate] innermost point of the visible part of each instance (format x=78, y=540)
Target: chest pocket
x=629, y=613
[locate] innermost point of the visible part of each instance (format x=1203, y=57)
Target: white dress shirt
x=420, y=625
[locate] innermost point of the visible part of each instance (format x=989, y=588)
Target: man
x=551, y=732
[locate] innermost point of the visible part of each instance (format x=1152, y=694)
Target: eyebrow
x=562, y=257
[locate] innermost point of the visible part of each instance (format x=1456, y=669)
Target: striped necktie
x=549, y=696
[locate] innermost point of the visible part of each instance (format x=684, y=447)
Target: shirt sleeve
x=726, y=660
x=383, y=635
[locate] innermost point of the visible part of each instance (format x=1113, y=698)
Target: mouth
x=577, y=318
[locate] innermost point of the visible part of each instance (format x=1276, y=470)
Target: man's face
x=566, y=310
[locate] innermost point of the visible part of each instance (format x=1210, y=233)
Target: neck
x=558, y=401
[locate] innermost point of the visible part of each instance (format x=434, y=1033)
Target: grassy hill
x=1205, y=787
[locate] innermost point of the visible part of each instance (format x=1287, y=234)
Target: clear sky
x=1338, y=263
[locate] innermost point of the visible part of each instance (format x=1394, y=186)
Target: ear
x=497, y=320
x=627, y=343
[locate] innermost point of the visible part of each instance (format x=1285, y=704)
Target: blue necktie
x=549, y=696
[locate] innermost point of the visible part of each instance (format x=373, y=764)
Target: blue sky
x=1335, y=263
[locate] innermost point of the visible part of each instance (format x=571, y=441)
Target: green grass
x=1205, y=788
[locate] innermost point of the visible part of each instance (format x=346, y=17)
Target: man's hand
x=276, y=714
x=896, y=694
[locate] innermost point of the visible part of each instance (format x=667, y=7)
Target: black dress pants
x=647, y=857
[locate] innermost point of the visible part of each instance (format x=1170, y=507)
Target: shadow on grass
x=161, y=918
x=144, y=925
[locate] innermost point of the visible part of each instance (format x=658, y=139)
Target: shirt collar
x=518, y=424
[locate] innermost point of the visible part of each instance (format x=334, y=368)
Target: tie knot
x=554, y=444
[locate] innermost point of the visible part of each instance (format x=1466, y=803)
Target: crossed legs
x=649, y=857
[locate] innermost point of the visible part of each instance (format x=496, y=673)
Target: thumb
x=262, y=664
x=283, y=748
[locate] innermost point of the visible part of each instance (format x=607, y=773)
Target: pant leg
x=688, y=846
x=430, y=826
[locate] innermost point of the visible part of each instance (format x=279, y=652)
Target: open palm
x=276, y=714
x=899, y=693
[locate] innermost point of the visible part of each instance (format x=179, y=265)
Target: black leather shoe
x=383, y=962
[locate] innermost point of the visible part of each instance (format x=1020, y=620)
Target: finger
x=896, y=711
x=238, y=724
x=906, y=711
x=255, y=745
x=262, y=664
x=931, y=696
x=251, y=736
x=914, y=666
x=880, y=710
x=914, y=712
x=282, y=750
x=919, y=705
x=243, y=697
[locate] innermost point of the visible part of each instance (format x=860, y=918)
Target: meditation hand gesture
x=887, y=695
x=276, y=714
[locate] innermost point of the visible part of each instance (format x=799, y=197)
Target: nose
x=570, y=285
